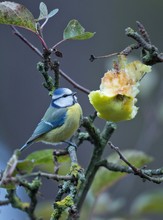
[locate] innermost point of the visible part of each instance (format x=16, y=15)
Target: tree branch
x=150, y=53
x=75, y=84
x=20, y=179
x=29, y=44
x=61, y=72
x=144, y=174
x=100, y=141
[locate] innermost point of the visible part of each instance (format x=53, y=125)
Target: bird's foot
x=70, y=144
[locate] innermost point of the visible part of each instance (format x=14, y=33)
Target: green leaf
x=105, y=178
x=53, y=12
x=44, y=161
x=97, y=198
x=148, y=203
x=12, y=13
x=74, y=31
x=84, y=36
x=43, y=11
x=25, y=166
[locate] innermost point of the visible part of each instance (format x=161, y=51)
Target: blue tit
x=60, y=121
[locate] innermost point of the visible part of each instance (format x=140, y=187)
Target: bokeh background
x=23, y=100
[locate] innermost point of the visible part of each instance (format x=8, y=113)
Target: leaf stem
x=57, y=44
x=44, y=23
x=37, y=51
x=42, y=41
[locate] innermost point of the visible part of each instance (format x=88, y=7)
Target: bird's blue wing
x=52, y=119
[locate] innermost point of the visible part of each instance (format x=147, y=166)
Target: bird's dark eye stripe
x=65, y=95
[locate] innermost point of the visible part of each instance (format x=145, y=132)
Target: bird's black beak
x=74, y=97
x=74, y=93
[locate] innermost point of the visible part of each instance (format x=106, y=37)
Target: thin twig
x=18, y=34
x=143, y=32
x=18, y=179
x=126, y=169
x=42, y=42
x=36, y=50
x=136, y=171
x=69, y=79
x=75, y=84
x=150, y=53
x=92, y=57
x=56, y=165
x=59, y=152
x=56, y=154
x=49, y=176
x=57, y=44
x=133, y=34
x=130, y=48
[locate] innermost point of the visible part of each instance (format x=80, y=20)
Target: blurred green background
x=24, y=100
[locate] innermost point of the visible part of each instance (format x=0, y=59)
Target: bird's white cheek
x=64, y=102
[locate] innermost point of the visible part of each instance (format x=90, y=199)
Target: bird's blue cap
x=60, y=92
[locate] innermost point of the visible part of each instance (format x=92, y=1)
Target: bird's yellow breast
x=64, y=132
